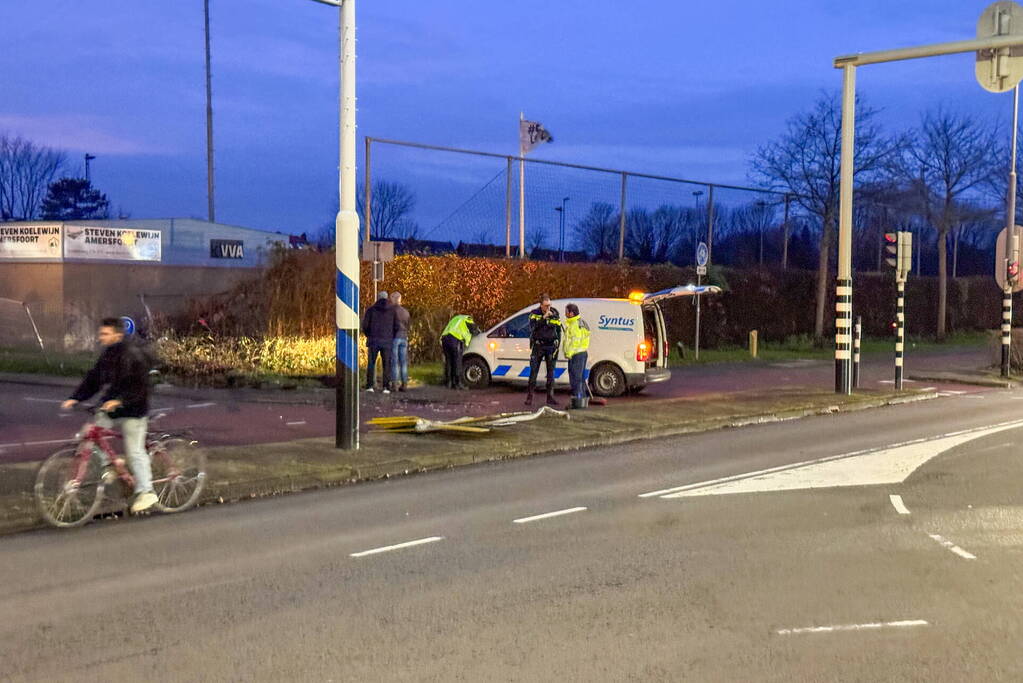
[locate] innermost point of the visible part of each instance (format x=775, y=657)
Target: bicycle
x=70, y=484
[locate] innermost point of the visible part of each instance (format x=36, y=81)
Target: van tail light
x=643, y=351
x=667, y=350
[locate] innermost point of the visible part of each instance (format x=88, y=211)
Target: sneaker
x=403, y=387
x=143, y=502
x=387, y=391
x=369, y=389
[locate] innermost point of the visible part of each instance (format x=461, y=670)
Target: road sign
x=1001, y=69
x=129, y=325
x=1003, y=261
x=701, y=254
x=701, y=270
x=378, y=250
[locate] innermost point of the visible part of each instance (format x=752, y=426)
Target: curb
x=975, y=380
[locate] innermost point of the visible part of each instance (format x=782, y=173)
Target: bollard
x=857, y=332
x=753, y=343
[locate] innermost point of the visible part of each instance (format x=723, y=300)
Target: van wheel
x=475, y=373
x=607, y=379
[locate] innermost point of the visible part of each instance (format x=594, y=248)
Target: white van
x=628, y=344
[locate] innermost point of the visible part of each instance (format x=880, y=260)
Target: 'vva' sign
x=227, y=249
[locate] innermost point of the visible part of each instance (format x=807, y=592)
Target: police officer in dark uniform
x=544, y=337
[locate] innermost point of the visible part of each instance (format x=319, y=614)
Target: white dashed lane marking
x=399, y=546
x=852, y=627
x=897, y=503
x=547, y=515
x=945, y=543
x=202, y=405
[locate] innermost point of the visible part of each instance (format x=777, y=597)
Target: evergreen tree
x=71, y=199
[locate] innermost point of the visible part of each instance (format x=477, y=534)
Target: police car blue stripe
x=558, y=372
x=501, y=370
x=524, y=372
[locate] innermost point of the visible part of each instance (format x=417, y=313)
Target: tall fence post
x=621, y=220
x=508, y=211
x=367, y=205
x=710, y=224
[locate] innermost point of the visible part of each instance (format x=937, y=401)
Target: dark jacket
x=545, y=331
x=124, y=370
x=378, y=322
x=401, y=322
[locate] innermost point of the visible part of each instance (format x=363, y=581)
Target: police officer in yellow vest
x=577, y=342
x=457, y=333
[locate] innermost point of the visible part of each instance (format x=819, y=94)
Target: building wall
x=41, y=286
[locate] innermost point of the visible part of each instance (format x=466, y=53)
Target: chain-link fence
x=481, y=203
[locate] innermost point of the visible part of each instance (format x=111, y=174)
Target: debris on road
x=464, y=425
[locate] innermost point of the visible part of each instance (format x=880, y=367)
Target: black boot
x=550, y=398
x=529, y=397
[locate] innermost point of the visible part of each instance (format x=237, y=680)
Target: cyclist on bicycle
x=124, y=369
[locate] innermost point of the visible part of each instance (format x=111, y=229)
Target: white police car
x=628, y=344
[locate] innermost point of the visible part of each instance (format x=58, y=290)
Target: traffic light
x=898, y=248
x=891, y=247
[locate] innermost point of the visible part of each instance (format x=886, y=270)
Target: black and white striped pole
x=346, y=248
x=1010, y=267
x=900, y=329
x=857, y=334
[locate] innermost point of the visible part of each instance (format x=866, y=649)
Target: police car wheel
x=475, y=373
x=607, y=380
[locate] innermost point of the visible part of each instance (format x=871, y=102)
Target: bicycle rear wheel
x=179, y=473
x=69, y=488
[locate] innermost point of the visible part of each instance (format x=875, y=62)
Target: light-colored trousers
x=133, y=429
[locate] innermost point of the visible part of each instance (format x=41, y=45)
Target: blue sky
x=686, y=89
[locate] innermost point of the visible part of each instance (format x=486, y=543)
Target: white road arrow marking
x=889, y=465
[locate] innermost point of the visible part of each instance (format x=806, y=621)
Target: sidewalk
x=243, y=472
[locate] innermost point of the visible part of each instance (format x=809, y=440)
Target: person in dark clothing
x=378, y=326
x=399, y=347
x=544, y=337
x=123, y=368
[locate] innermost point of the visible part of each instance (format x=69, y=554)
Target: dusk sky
x=686, y=89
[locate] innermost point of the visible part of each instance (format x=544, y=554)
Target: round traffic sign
x=701, y=254
x=129, y=325
x=1000, y=70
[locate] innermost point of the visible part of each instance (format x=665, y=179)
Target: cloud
x=77, y=133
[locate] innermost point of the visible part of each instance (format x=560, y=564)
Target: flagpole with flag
x=531, y=134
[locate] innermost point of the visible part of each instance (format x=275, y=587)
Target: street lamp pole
x=696, y=233
x=88, y=158
x=346, y=246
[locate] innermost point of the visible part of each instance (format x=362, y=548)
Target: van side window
x=517, y=327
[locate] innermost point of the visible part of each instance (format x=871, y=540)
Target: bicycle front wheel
x=69, y=488
x=179, y=473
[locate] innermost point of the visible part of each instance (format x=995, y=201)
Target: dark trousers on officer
x=545, y=353
x=453, y=349
x=577, y=374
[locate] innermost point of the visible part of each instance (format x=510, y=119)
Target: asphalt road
x=832, y=582
x=32, y=427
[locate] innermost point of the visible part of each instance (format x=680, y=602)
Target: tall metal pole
x=710, y=224
x=843, y=284
x=1011, y=239
x=621, y=219
x=346, y=227
x=211, y=213
x=785, y=235
x=367, y=190
x=522, y=194
x=508, y=210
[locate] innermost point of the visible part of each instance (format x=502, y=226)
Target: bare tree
x=597, y=231
x=805, y=162
x=26, y=171
x=950, y=155
x=391, y=205
x=655, y=237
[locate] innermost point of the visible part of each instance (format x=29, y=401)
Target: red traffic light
x=1013, y=269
